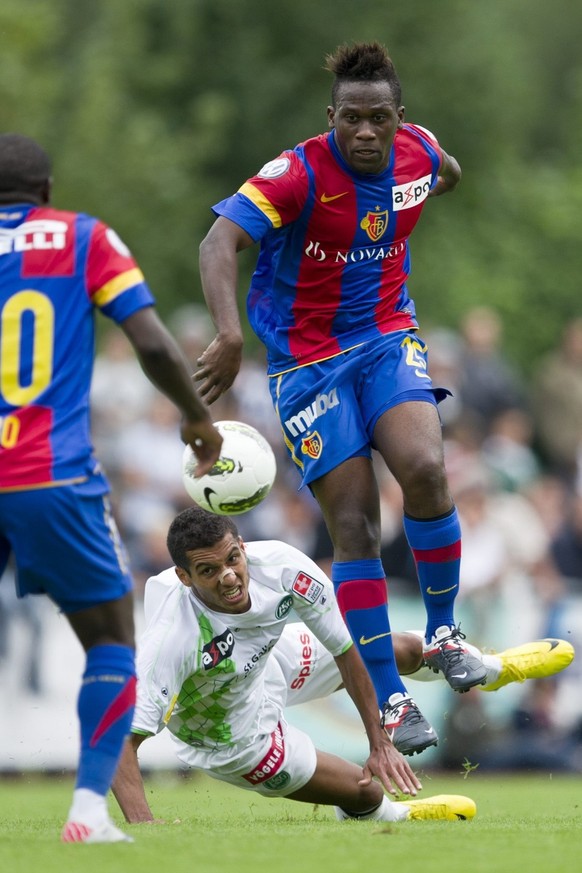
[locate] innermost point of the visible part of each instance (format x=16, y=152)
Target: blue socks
x=361, y=593
x=105, y=707
x=362, y=597
x=436, y=546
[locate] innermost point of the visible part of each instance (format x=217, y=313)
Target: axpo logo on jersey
x=217, y=650
x=410, y=194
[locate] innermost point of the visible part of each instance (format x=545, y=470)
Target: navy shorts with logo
x=65, y=543
x=328, y=410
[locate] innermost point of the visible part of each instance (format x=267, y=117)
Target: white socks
x=387, y=811
x=88, y=808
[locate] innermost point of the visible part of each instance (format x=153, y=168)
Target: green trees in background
x=155, y=110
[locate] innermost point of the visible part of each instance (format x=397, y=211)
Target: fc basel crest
x=375, y=224
x=311, y=445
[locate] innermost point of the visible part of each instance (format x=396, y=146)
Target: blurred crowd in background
x=513, y=445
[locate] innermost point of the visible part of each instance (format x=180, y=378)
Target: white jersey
x=205, y=674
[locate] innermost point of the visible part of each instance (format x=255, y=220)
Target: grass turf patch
x=531, y=823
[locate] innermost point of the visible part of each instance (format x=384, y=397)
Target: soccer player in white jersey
x=220, y=660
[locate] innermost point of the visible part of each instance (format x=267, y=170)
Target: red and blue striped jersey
x=334, y=258
x=56, y=269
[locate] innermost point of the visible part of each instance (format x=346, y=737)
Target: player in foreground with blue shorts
x=56, y=269
x=347, y=369
x=222, y=657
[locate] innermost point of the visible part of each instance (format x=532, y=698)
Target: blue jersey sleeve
x=129, y=302
x=246, y=214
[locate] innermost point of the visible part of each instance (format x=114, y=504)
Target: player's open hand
x=391, y=769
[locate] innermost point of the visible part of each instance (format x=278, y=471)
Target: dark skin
x=165, y=366
x=365, y=117
x=109, y=623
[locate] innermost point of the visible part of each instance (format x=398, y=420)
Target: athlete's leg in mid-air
x=408, y=437
x=348, y=497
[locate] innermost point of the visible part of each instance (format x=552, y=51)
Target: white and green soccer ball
x=240, y=479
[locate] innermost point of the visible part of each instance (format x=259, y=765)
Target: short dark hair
x=362, y=62
x=25, y=168
x=194, y=528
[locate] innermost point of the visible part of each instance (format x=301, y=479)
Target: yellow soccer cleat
x=532, y=661
x=441, y=807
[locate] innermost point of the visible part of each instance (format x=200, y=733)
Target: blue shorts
x=65, y=544
x=328, y=410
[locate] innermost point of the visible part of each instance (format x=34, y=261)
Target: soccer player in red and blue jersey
x=347, y=369
x=57, y=269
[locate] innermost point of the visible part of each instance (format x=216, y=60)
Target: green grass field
x=524, y=824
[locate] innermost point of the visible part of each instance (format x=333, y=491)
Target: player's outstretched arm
x=166, y=367
x=219, y=364
x=128, y=786
x=384, y=762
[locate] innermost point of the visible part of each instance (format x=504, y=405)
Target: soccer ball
x=240, y=479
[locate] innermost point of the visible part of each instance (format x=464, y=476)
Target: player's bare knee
x=353, y=535
x=109, y=623
x=425, y=488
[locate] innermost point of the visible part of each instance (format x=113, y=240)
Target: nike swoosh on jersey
x=443, y=591
x=328, y=198
x=364, y=641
